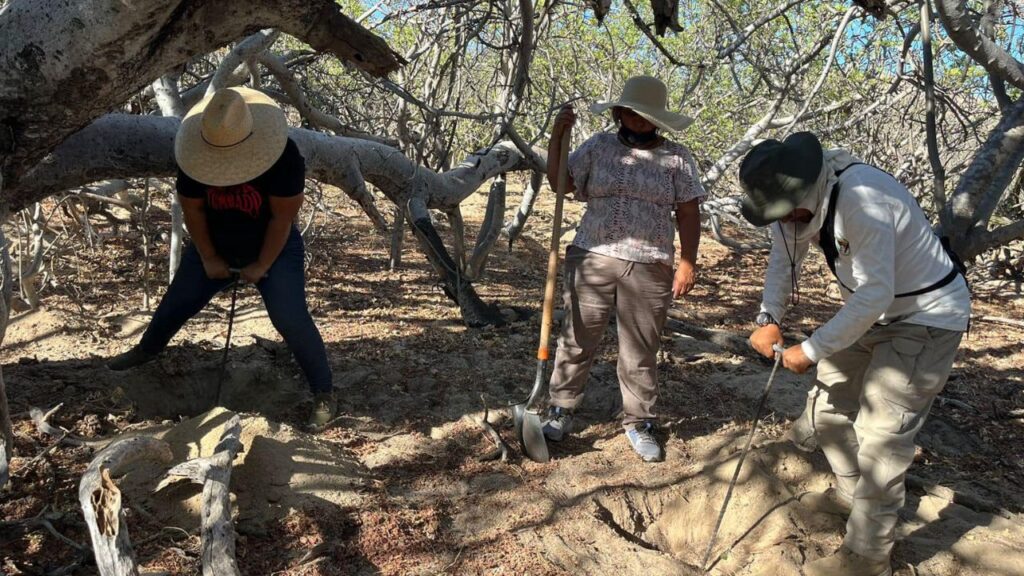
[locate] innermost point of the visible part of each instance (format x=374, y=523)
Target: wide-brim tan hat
x=231, y=137
x=648, y=97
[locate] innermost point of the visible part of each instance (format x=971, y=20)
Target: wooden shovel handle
x=543, y=351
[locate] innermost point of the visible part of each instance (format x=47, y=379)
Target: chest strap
x=827, y=243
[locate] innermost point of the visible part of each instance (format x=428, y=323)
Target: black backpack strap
x=827, y=242
x=959, y=269
x=827, y=234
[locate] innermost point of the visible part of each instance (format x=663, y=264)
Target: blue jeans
x=284, y=294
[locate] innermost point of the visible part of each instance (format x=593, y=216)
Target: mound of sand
x=280, y=468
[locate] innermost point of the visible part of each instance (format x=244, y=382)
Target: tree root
x=500, y=447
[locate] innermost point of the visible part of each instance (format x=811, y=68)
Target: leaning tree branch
x=100, y=500
x=60, y=69
x=981, y=242
x=931, y=127
x=315, y=116
x=137, y=146
x=967, y=35
x=234, y=65
x=744, y=34
x=515, y=226
x=717, y=170
x=489, y=230
x=838, y=36
x=983, y=183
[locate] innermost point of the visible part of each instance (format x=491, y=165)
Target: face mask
x=636, y=139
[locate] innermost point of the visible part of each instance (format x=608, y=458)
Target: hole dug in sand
x=182, y=382
x=280, y=468
x=764, y=525
x=665, y=527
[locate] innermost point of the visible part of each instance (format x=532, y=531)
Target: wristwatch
x=764, y=319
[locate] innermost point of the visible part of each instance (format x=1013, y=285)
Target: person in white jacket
x=885, y=355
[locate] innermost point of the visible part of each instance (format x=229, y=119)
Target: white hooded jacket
x=885, y=245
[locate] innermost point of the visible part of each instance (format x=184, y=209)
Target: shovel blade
x=530, y=433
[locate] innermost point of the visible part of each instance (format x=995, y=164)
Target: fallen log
x=5, y=473
x=965, y=499
x=734, y=342
x=6, y=430
x=214, y=473
x=101, y=502
x=998, y=320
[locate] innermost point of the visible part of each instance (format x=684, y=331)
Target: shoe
x=641, y=438
x=801, y=434
x=846, y=562
x=558, y=424
x=325, y=407
x=828, y=502
x=130, y=359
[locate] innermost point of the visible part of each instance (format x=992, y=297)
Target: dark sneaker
x=558, y=424
x=641, y=438
x=324, y=409
x=130, y=359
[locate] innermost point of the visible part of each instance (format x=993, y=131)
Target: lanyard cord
x=794, y=294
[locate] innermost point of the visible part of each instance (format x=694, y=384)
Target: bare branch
x=838, y=36
x=983, y=183
x=965, y=32
x=982, y=242
x=233, y=66
x=743, y=35
x=938, y=172
x=314, y=115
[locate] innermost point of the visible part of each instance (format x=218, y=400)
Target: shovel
x=527, y=415
x=779, y=350
x=227, y=344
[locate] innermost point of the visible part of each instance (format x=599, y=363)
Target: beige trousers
x=640, y=295
x=869, y=402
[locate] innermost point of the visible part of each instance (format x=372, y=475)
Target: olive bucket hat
x=776, y=176
x=648, y=97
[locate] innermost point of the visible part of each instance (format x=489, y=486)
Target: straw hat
x=647, y=96
x=777, y=176
x=230, y=137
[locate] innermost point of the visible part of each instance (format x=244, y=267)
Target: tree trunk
x=64, y=64
x=983, y=184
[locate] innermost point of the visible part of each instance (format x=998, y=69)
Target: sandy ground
x=397, y=485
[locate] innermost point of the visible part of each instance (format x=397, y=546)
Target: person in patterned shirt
x=640, y=189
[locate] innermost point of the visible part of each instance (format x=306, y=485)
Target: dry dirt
x=396, y=485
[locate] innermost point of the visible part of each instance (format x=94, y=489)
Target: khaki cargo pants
x=639, y=294
x=868, y=404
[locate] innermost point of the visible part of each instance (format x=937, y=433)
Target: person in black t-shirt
x=240, y=182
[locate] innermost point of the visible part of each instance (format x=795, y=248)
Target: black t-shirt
x=237, y=216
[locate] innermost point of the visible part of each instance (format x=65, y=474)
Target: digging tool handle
x=543, y=349
x=779, y=350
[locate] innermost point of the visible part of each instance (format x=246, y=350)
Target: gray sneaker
x=558, y=424
x=325, y=407
x=641, y=438
x=130, y=359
